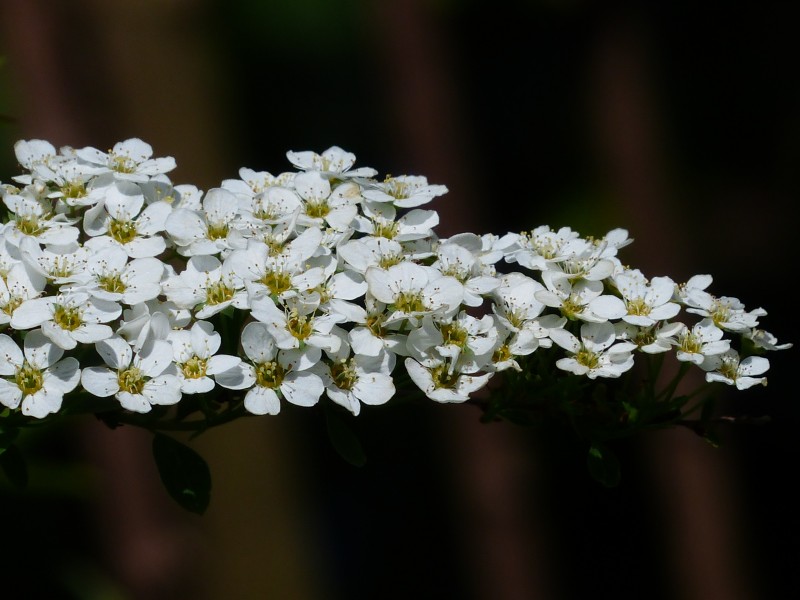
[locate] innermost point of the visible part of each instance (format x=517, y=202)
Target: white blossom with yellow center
x=68, y=319
x=129, y=160
x=37, y=377
x=731, y=369
x=194, y=352
x=596, y=353
x=270, y=374
x=123, y=220
x=137, y=380
x=413, y=290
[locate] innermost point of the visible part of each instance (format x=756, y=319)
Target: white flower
x=252, y=183
x=36, y=219
x=59, y=264
x=465, y=341
x=211, y=230
x=40, y=377
x=129, y=160
x=112, y=277
x=655, y=339
x=414, y=290
x=646, y=301
x=353, y=380
x=31, y=153
x=595, y=354
x=19, y=283
x=438, y=384
x=266, y=272
x=765, y=340
x=269, y=372
x=138, y=381
x=323, y=204
x=380, y=220
x=540, y=249
x=517, y=301
x=727, y=313
x=152, y=320
x=460, y=262
x=727, y=367
x=195, y=356
x=702, y=340
x=361, y=253
x=582, y=299
x=122, y=219
x=68, y=319
x=405, y=191
x=297, y=326
x=208, y=283
x=333, y=162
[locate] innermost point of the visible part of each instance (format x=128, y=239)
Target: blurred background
x=679, y=124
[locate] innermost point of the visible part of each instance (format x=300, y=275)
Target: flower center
x=269, y=374
x=317, y=209
x=690, y=344
x=218, y=292
x=73, y=190
x=344, y=374
x=112, y=283
x=300, y=326
x=11, y=305
x=502, y=354
x=277, y=281
x=454, y=334
x=194, y=368
x=62, y=267
x=729, y=368
x=122, y=231
x=571, y=308
x=443, y=379
x=409, y=302
x=389, y=260
x=131, y=380
x=638, y=307
x=122, y=164
x=375, y=324
x=218, y=231
x=397, y=189
x=29, y=379
x=587, y=358
x=386, y=229
x=67, y=317
x=29, y=225
x=720, y=314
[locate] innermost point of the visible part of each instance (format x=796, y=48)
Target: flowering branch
x=158, y=305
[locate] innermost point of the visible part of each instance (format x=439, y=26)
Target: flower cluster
x=117, y=282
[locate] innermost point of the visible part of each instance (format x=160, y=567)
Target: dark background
x=679, y=124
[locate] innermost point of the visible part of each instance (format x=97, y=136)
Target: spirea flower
x=322, y=282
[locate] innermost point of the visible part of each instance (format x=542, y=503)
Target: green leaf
x=13, y=465
x=603, y=465
x=184, y=473
x=344, y=440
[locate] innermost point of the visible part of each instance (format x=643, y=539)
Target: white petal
x=262, y=401
x=42, y=403
x=10, y=394
x=63, y=376
x=99, y=381
x=40, y=351
x=163, y=390
x=134, y=402
x=11, y=355
x=304, y=389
